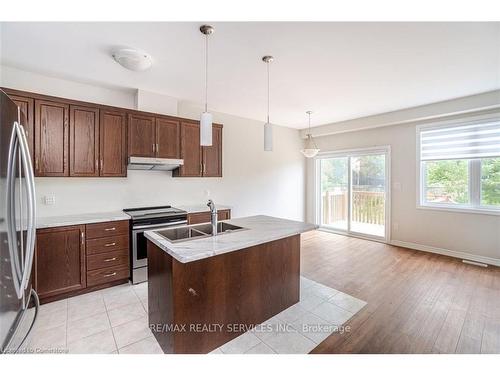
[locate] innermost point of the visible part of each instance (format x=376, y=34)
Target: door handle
x=31, y=227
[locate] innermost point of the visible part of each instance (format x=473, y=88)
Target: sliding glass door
x=351, y=194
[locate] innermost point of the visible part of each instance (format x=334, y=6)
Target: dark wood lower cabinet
x=68, y=263
x=230, y=292
x=60, y=260
x=204, y=217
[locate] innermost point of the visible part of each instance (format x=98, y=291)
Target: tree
x=490, y=182
x=448, y=180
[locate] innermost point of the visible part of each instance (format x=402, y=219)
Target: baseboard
x=450, y=253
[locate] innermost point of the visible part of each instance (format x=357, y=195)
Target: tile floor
x=114, y=320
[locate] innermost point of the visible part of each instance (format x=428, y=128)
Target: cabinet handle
x=153, y=145
x=96, y=164
x=157, y=148
x=110, y=259
x=110, y=274
x=108, y=229
x=36, y=164
x=192, y=291
x=110, y=244
x=101, y=165
x=82, y=235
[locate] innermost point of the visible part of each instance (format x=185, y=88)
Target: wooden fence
x=367, y=207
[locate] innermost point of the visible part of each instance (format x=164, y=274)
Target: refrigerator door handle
x=11, y=215
x=31, y=226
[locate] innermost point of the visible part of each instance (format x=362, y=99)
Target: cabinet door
x=60, y=260
x=27, y=107
x=141, y=136
x=167, y=139
x=212, y=155
x=112, y=138
x=190, y=151
x=51, y=138
x=83, y=141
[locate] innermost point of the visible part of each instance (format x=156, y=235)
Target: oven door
x=140, y=242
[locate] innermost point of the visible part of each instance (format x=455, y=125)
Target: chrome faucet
x=213, y=216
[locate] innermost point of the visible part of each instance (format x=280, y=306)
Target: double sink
x=193, y=232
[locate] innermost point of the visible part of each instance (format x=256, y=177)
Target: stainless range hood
x=135, y=162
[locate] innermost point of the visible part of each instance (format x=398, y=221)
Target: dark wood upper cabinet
x=60, y=260
x=141, y=135
x=51, y=138
x=83, y=141
x=190, y=151
x=167, y=139
x=212, y=155
x=27, y=107
x=73, y=138
x=113, y=148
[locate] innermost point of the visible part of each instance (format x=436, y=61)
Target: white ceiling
x=338, y=70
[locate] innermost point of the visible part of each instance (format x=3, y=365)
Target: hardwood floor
x=417, y=302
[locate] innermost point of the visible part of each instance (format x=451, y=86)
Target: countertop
x=99, y=217
x=79, y=219
x=260, y=229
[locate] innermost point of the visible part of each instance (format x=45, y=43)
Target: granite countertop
x=98, y=217
x=78, y=219
x=260, y=229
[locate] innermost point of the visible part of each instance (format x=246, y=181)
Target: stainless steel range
x=144, y=219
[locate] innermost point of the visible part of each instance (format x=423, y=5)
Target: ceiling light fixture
x=310, y=149
x=206, y=117
x=132, y=59
x=268, y=128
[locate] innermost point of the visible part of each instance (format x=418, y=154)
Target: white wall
x=476, y=234
x=254, y=182
x=157, y=103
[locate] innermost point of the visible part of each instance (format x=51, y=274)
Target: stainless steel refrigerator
x=18, y=301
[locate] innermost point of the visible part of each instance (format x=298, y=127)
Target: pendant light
x=310, y=149
x=206, y=117
x=268, y=128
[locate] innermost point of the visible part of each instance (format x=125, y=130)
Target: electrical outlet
x=49, y=200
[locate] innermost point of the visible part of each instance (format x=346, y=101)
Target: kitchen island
x=205, y=291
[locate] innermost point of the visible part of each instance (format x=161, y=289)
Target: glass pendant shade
x=206, y=129
x=310, y=149
x=268, y=137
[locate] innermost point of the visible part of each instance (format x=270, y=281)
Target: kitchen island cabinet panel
x=242, y=287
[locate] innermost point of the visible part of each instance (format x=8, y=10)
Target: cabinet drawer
x=110, y=228
x=107, y=244
x=106, y=275
x=110, y=259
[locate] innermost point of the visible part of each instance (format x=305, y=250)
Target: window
x=460, y=165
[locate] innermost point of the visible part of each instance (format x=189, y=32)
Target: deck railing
x=367, y=207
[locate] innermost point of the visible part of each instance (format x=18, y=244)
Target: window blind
x=465, y=141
